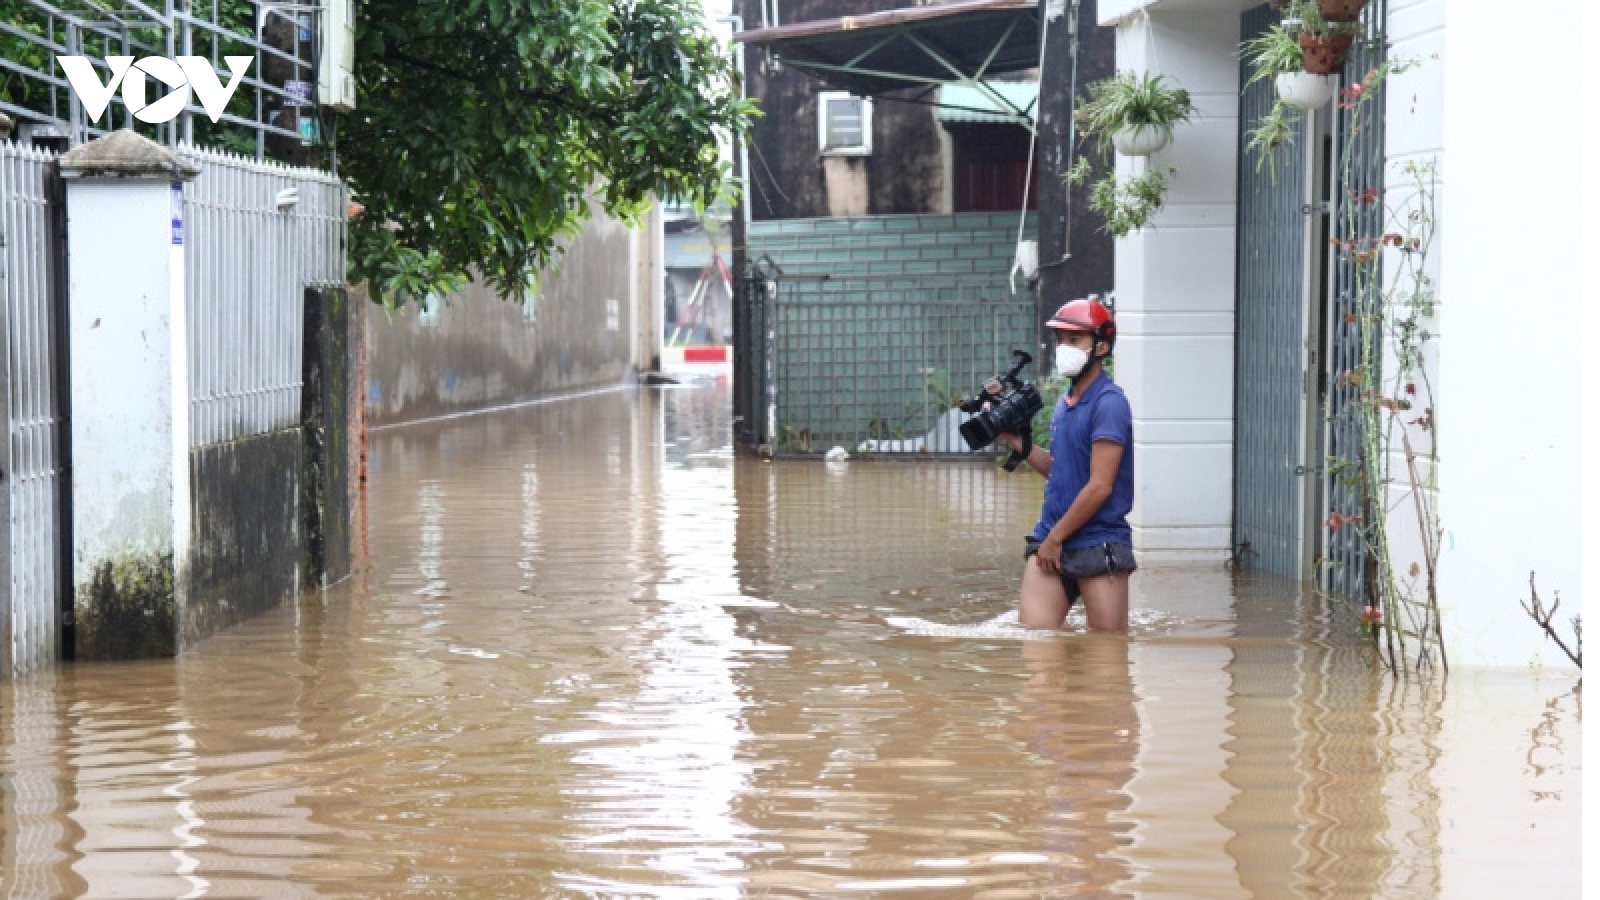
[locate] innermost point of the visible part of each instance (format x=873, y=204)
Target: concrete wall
x=597, y=302
x=247, y=544
x=1175, y=291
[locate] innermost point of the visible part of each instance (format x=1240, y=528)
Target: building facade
x=1239, y=423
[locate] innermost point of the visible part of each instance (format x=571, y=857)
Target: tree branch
x=1537, y=612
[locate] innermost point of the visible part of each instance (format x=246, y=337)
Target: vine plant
x=1393, y=407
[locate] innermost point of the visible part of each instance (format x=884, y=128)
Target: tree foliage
x=481, y=124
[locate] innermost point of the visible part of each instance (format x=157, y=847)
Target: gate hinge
x=1325, y=207
x=1308, y=470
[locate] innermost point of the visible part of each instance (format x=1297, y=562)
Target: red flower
x=1371, y=615
x=1335, y=521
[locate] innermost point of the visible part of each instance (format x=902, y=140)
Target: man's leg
x=1044, y=601
x=1105, y=600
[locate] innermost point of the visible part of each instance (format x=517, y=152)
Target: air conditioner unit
x=336, y=81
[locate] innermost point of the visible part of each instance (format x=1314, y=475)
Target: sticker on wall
x=177, y=214
x=612, y=318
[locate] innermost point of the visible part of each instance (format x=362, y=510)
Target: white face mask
x=1070, y=360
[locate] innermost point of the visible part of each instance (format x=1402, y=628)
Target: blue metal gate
x=1360, y=136
x=1269, y=387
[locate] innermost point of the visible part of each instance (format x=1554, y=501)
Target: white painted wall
x=120, y=285
x=1175, y=293
x=1511, y=455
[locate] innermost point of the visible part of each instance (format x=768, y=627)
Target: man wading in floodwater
x=1082, y=545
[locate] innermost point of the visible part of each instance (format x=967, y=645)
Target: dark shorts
x=1088, y=562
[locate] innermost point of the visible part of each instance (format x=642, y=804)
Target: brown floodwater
x=592, y=653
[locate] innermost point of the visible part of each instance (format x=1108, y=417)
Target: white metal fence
x=31, y=465
x=251, y=256
x=34, y=91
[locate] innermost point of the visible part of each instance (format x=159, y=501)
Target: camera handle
x=1016, y=457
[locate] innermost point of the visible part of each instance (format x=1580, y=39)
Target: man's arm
x=1105, y=458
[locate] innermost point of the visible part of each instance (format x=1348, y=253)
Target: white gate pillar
x=128, y=371
x=1175, y=289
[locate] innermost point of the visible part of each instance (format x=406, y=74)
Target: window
x=990, y=168
x=844, y=124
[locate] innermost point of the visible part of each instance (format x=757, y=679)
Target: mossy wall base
x=128, y=609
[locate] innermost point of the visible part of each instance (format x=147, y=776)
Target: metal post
x=7, y=607
x=771, y=366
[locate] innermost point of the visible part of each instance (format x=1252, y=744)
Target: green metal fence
x=873, y=364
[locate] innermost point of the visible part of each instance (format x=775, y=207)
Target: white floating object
x=837, y=454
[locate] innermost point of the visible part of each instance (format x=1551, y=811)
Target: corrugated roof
x=970, y=106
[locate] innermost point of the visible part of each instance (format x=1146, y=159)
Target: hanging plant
x=1272, y=133
x=1125, y=206
x=1314, y=36
x=1324, y=52
x=1134, y=113
x=1341, y=10
x=1276, y=54
x=1272, y=53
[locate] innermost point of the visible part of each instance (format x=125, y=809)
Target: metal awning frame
x=975, y=81
x=906, y=31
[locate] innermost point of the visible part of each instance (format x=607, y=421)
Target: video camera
x=1012, y=404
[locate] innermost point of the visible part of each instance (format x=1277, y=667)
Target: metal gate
x=1360, y=133
x=1269, y=386
x=873, y=364
x=31, y=407
x=753, y=293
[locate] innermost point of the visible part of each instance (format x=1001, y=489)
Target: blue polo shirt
x=1101, y=414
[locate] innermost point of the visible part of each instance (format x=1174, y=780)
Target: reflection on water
x=590, y=652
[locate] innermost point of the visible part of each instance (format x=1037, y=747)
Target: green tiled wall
x=915, y=307
x=892, y=245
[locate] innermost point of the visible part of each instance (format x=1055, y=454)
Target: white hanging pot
x=1140, y=140
x=1302, y=90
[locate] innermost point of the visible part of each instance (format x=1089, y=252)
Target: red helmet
x=1086, y=315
